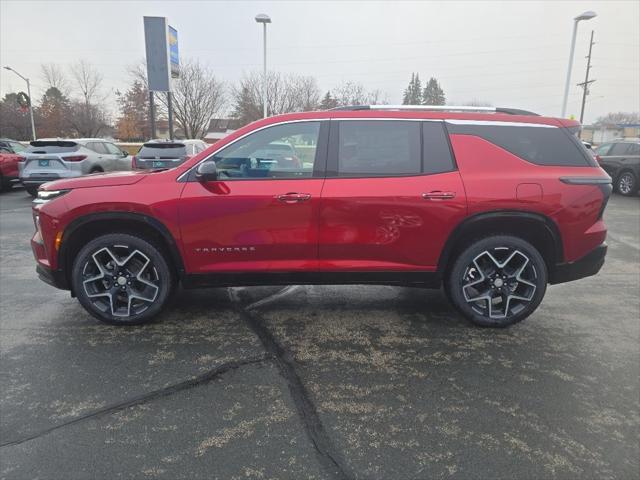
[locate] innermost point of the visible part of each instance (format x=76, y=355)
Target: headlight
x=45, y=196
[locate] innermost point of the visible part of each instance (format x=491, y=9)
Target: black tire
x=122, y=295
x=627, y=184
x=4, y=184
x=96, y=170
x=33, y=191
x=464, y=281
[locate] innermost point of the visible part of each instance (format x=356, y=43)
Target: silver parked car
x=51, y=159
x=166, y=153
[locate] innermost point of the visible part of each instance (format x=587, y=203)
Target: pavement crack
x=196, y=381
x=327, y=453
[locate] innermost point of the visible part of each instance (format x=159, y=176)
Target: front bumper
x=586, y=266
x=55, y=278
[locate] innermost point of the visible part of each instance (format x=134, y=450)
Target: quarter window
x=281, y=151
x=539, y=145
x=620, y=149
x=436, y=154
x=378, y=148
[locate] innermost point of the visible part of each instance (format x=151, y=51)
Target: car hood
x=96, y=180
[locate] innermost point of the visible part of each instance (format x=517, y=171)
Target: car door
x=259, y=215
x=616, y=158
x=391, y=197
x=119, y=160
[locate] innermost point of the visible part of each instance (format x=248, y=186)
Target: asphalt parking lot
x=321, y=382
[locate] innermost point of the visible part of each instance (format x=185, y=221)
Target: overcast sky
x=511, y=53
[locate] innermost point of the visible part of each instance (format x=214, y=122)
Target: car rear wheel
x=627, y=183
x=497, y=281
x=121, y=279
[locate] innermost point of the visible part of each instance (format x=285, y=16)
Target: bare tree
x=54, y=77
x=88, y=116
x=352, y=93
x=88, y=81
x=285, y=93
x=197, y=97
x=619, y=118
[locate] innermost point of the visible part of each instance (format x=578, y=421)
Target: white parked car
x=50, y=159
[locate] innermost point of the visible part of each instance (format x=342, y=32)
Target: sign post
x=163, y=63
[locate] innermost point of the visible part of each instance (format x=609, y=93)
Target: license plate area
x=43, y=163
x=158, y=164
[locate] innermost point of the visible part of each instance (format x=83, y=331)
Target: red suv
x=492, y=204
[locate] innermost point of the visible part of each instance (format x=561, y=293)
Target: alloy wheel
x=625, y=184
x=120, y=281
x=499, y=283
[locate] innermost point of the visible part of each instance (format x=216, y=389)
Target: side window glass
x=619, y=149
x=634, y=149
x=17, y=147
x=281, y=151
x=371, y=148
x=603, y=149
x=436, y=153
x=97, y=147
x=112, y=149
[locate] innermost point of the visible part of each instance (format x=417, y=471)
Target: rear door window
x=539, y=144
x=372, y=148
x=634, y=150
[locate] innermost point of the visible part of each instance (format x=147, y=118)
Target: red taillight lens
x=74, y=158
x=133, y=161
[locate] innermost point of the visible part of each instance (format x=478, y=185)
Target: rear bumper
x=586, y=266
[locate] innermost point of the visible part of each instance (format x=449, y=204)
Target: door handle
x=293, y=197
x=438, y=195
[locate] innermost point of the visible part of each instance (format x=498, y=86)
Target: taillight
x=133, y=162
x=598, y=159
x=74, y=158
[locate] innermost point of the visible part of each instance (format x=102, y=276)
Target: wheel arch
x=540, y=231
x=88, y=227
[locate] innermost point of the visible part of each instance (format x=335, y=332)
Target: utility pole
x=587, y=82
x=170, y=112
x=152, y=114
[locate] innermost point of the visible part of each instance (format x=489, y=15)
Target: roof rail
x=439, y=108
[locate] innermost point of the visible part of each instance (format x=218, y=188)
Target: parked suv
x=52, y=159
x=493, y=204
x=621, y=160
x=10, y=157
x=166, y=153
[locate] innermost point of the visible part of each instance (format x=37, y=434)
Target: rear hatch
x=160, y=155
x=47, y=158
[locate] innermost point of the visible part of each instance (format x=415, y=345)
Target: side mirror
x=125, y=154
x=207, y=171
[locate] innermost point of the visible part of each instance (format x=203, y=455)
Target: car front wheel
x=627, y=184
x=121, y=279
x=497, y=281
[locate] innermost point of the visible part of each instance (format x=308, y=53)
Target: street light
x=33, y=125
x=264, y=19
x=588, y=15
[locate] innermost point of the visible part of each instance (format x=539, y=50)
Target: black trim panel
x=587, y=266
x=136, y=217
x=55, y=278
x=237, y=279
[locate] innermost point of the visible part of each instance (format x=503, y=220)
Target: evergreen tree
x=53, y=113
x=433, y=93
x=328, y=102
x=413, y=93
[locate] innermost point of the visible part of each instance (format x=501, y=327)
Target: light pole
x=588, y=15
x=264, y=19
x=33, y=125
